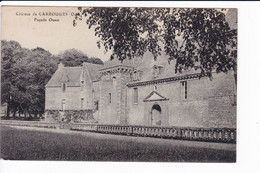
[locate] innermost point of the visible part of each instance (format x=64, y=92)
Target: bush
x=68, y=116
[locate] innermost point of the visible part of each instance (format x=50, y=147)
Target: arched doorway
x=156, y=117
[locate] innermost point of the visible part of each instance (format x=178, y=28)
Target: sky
x=20, y=24
x=31, y=27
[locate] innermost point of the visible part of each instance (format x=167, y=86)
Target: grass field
x=34, y=144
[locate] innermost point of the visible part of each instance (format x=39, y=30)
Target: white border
x=248, y=148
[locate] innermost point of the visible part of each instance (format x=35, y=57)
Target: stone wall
x=209, y=103
x=72, y=96
x=109, y=110
x=115, y=84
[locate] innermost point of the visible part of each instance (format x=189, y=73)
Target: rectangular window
x=135, y=96
x=81, y=103
x=63, y=87
x=109, y=98
x=81, y=85
x=63, y=104
x=96, y=105
x=184, y=90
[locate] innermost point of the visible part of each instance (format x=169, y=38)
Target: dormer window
x=114, y=81
x=136, y=75
x=82, y=80
x=157, y=71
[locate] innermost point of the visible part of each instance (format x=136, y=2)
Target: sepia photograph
x=119, y=84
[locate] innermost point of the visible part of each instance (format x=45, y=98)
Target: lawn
x=28, y=144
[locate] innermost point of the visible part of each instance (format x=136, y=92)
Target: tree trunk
x=235, y=90
x=8, y=110
x=14, y=113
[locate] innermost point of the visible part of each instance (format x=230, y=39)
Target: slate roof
x=93, y=70
x=147, y=62
x=115, y=62
x=71, y=75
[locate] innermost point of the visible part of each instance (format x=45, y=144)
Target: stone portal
x=156, y=117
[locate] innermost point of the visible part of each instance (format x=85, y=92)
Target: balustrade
x=201, y=134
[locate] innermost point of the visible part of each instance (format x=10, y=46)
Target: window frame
x=82, y=85
x=109, y=98
x=81, y=103
x=184, y=90
x=63, y=104
x=135, y=96
x=63, y=87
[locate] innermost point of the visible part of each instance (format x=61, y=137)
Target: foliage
x=24, y=76
x=25, y=73
x=74, y=57
x=68, y=115
x=11, y=52
x=193, y=37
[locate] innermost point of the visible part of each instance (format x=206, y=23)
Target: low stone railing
x=227, y=135
x=83, y=127
x=30, y=123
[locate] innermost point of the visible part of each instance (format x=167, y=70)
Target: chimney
x=60, y=65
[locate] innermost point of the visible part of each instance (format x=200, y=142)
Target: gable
x=93, y=71
x=154, y=96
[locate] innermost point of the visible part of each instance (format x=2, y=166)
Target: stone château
x=141, y=92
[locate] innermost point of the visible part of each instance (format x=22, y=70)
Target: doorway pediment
x=154, y=96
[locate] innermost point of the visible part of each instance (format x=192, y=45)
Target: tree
x=74, y=57
x=95, y=60
x=194, y=38
x=11, y=52
x=24, y=75
x=32, y=74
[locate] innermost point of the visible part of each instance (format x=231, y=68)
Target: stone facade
x=147, y=93
x=73, y=90
x=207, y=104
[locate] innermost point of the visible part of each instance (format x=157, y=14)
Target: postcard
x=128, y=84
